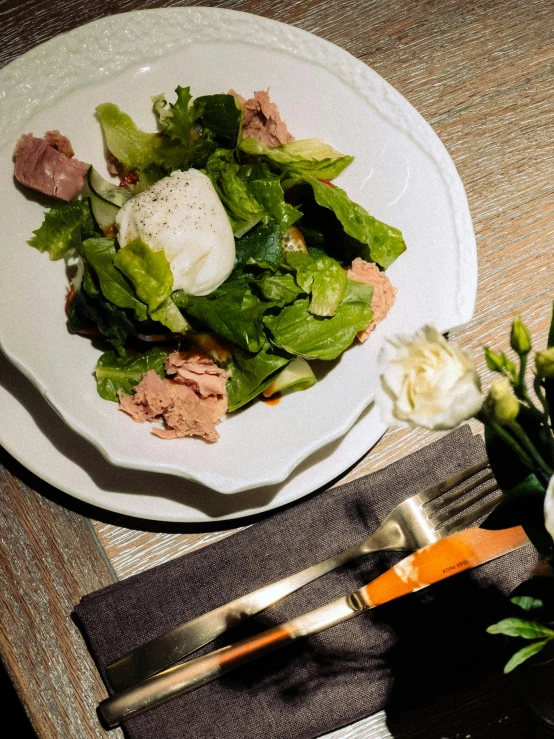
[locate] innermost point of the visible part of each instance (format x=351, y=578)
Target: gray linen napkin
x=341, y=675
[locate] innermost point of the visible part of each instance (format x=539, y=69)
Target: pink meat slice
x=205, y=377
x=262, y=120
x=42, y=167
x=58, y=141
x=383, y=291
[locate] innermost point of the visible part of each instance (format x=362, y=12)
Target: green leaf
x=251, y=374
x=232, y=311
x=261, y=245
x=220, y=116
x=299, y=332
x=520, y=627
x=170, y=316
x=303, y=157
x=243, y=209
x=267, y=190
x=134, y=148
x=99, y=253
x=63, y=228
x=87, y=312
x=550, y=341
x=279, y=289
x=385, y=242
x=524, y=654
x=175, y=118
x=323, y=277
x=526, y=602
x=115, y=374
x=147, y=270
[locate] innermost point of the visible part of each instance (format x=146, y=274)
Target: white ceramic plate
x=401, y=173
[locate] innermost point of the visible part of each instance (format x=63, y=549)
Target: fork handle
x=174, y=645
x=197, y=672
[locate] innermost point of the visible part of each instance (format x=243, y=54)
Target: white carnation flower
x=425, y=381
x=549, y=507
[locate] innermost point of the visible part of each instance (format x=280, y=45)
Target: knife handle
x=193, y=674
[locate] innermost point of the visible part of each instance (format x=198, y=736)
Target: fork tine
x=455, y=502
x=425, y=496
x=471, y=517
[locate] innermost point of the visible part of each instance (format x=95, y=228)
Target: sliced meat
x=44, y=168
x=383, y=291
x=262, y=120
x=179, y=402
x=58, y=141
x=197, y=371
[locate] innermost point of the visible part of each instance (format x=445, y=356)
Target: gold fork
x=422, y=519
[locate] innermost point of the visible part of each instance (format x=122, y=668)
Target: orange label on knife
x=442, y=559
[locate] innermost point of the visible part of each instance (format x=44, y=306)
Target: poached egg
x=183, y=216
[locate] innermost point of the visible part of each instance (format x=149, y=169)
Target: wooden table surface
x=482, y=73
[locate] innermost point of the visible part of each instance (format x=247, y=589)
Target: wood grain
x=482, y=73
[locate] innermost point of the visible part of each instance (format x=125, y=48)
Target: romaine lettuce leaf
x=92, y=311
x=304, y=157
x=232, y=311
x=323, y=277
x=220, y=116
x=243, y=209
x=298, y=331
x=135, y=149
x=266, y=188
x=385, y=242
x=99, y=253
x=116, y=374
x=261, y=245
x=169, y=315
x=251, y=374
x=147, y=270
x=63, y=228
x=279, y=289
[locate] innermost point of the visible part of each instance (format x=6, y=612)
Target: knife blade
x=438, y=561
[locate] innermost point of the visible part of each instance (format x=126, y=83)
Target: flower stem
x=530, y=447
x=507, y=438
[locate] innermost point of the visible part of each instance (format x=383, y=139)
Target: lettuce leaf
x=174, y=118
x=232, y=311
x=135, y=149
x=220, y=116
x=303, y=157
x=99, y=253
x=385, y=242
x=323, y=277
x=243, y=209
x=116, y=374
x=89, y=310
x=279, y=289
x=251, y=374
x=147, y=270
x=63, y=228
x=261, y=245
x=169, y=315
x=299, y=332
x=266, y=188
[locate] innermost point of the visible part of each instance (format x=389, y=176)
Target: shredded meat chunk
x=262, y=120
x=383, y=291
x=191, y=404
x=58, y=141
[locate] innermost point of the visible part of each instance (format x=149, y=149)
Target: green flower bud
x=544, y=362
x=495, y=362
x=520, y=338
x=501, y=404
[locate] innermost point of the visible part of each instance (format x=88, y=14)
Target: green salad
x=287, y=300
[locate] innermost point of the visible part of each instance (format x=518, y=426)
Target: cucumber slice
x=107, y=191
x=103, y=212
x=297, y=374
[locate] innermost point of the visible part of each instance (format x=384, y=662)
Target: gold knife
x=442, y=559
